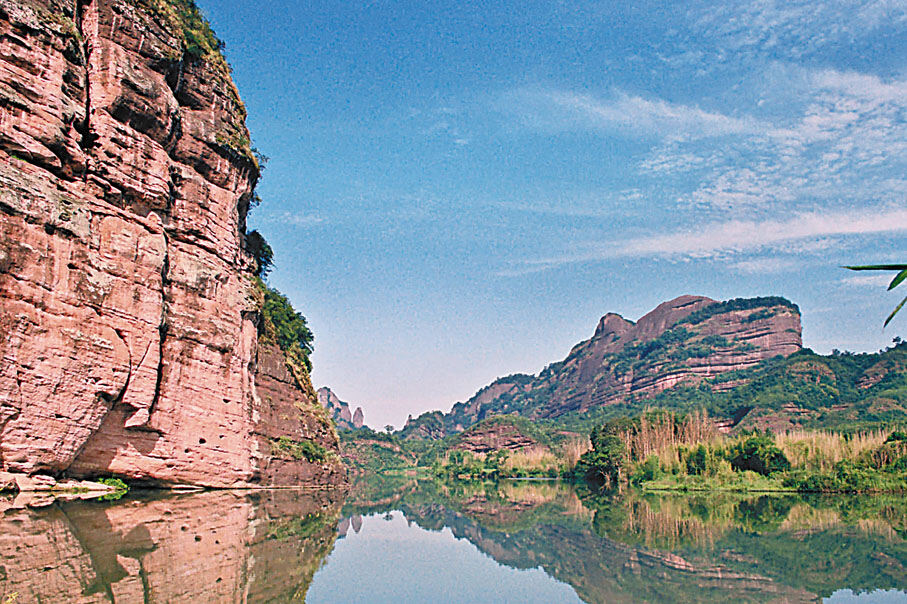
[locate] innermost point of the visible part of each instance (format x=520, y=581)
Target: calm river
x=407, y=541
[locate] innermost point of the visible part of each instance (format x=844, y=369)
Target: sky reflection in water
x=393, y=561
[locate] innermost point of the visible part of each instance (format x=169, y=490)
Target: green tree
x=758, y=454
x=604, y=462
x=261, y=251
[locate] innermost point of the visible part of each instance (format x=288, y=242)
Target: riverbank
x=659, y=451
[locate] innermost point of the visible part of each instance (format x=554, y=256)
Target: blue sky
x=458, y=191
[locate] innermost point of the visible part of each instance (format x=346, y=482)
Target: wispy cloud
x=792, y=28
x=867, y=281
x=551, y=109
x=845, y=144
x=742, y=235
x=730, y=238
x=757, y=266
x=291, y=219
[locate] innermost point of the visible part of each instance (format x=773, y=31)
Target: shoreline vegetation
x=661, y=451
x=655, y=451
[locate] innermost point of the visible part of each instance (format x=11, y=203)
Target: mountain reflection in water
x=418, y=540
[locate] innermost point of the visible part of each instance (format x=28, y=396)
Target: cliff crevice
x=127, y=339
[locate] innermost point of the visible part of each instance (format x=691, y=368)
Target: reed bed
x=821, y=450
x=574, y=448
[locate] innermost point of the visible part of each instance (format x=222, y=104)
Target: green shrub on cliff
x=261, y=251
x=184, y=17
x=281, y=325
x=307, y=449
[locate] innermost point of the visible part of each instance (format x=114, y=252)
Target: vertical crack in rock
x=119, y=397
x=162, y=329
x=87, y=23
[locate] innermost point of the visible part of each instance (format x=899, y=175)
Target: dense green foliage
x=604, y=462
x=307, y=449
x=665, y=452
x=284, y=326
x=262, y=253
x=757, y=453
x=765, y=302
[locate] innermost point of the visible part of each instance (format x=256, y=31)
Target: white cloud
x=793, y=28
x=727, y=239
x=844, y=143
x=549, y=109
x=757, y=266
x=292, y=219
x=875, y=280
x=741, y=235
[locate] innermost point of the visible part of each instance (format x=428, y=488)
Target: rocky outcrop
x=128, y=330
x=340, y=410
x=683, y=341
x=499, y=434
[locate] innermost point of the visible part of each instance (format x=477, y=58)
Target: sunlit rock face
x=682, y=341
x=209, y=547
x=128, y=332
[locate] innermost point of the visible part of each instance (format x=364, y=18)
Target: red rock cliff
x=682, y=341
x=128, y=326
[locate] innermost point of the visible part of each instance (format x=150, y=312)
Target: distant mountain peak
x=682, y=341
x=340, y=410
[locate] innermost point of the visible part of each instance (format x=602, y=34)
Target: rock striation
x=682, y=341
x=128, y=320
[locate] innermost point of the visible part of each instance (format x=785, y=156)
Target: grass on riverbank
x=663, y=452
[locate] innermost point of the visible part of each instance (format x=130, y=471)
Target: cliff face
x=682, y=341
x=128, y=328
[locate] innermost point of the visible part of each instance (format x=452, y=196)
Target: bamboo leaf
x=898, y=279
x=878, y=267
x=894, y=312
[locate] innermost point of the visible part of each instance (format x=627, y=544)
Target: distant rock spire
x=357, y=418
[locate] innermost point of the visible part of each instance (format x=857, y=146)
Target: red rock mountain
x=685, y=340
x=340, y=410
x=128, y=316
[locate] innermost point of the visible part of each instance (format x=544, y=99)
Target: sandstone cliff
x=683, y=341
x=128, y=316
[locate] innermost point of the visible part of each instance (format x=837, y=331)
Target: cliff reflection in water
x=265, y=546
x=632, y=548
x=220, y=546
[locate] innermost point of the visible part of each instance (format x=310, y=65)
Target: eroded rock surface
x=128, y=335
x=682, y=341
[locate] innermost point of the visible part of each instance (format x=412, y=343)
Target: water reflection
x=527, y=538
x=206, y=547
x=631, y=548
